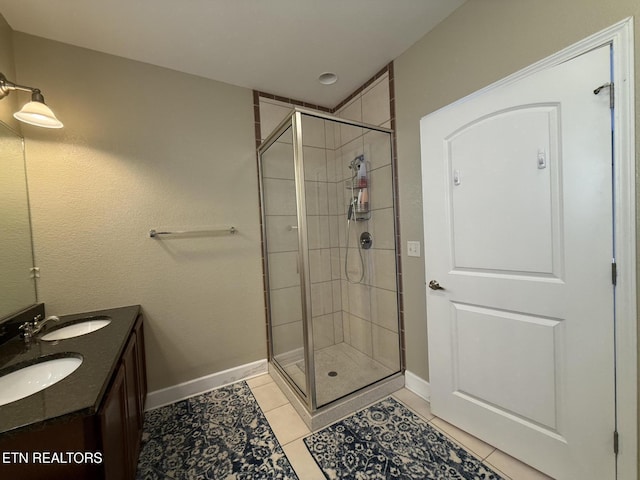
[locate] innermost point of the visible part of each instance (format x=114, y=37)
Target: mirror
x=17, y=287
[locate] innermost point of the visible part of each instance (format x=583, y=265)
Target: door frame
x=621, y=36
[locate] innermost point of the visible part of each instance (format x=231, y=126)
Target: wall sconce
x=34, y=112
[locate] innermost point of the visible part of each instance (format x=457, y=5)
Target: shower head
x=355, y=163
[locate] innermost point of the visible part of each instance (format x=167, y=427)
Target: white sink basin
x=76, y=329
x=36, y=377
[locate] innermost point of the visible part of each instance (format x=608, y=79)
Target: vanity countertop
x=81, y=392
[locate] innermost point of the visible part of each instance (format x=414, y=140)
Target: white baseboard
x=166, y=396
x=417, y=385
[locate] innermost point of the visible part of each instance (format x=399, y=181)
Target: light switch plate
x=413, y=249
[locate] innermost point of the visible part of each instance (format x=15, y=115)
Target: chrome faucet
x=29, y=329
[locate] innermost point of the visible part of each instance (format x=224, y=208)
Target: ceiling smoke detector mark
x=328, y=78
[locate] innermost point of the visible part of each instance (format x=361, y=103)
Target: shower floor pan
x=340, y=370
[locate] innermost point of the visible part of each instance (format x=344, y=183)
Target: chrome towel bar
x=154, y=233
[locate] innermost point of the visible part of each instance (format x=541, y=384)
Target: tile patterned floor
x=290, y=430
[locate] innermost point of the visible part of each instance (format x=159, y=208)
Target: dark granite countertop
x=81, y=392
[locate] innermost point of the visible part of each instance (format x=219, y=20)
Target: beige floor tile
x=259, y=380
x=515, y=469
x=302, y=461
x=286, y=424
x=416, y=403
x=269, y=396
x=475, y=445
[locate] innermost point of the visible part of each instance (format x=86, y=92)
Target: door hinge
x=615, y=442
x=614, y=272
x=611, y=87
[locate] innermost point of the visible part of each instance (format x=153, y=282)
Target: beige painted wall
x=147, y=147
x=480, y=43
x=9, y=104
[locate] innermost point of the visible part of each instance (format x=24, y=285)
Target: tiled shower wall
x=363, y=315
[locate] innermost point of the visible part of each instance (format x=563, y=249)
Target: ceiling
x=276, y=46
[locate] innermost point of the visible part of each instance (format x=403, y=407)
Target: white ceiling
x=276, y=46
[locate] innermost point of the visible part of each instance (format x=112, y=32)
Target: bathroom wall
x=147, y=147
x=480, y=43
x=7, y=66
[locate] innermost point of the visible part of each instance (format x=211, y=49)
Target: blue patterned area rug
x=219, y=435
x=388, y=441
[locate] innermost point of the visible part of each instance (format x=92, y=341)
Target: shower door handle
x=434, y=285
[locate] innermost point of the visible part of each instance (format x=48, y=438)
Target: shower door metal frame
x=294, y=121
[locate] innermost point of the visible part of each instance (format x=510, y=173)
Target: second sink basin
x=22, y=381
x=78, y=327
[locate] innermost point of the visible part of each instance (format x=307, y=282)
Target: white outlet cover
x=413, y=249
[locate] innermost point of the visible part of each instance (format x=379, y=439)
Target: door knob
x=434, y=285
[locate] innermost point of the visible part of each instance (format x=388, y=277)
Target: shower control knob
x=434, y=285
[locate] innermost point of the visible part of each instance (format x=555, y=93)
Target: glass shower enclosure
x=329, y=248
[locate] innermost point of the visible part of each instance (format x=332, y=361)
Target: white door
x=518, y=217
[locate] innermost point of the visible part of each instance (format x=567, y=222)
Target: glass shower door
x=282, y=255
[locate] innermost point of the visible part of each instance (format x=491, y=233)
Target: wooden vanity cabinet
x=115, y=430
x=122, y=412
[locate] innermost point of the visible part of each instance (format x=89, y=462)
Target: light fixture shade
x=38, y=114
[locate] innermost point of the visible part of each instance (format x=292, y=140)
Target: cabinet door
x=113, y=416
x=133, y=421
x=142, y=369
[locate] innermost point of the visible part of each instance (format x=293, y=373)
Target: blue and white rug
x=388, y=441
x=218, y=435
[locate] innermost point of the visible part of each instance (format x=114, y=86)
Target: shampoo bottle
x=362, y=175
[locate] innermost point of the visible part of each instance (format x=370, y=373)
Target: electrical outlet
x=413, y=249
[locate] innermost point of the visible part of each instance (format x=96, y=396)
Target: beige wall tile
x=375, y=103
x=320, y=265
x=377, y=149
x=286, y=305
x=359, y=300
x=321, y=299
x=318, y=234
x=383, y=273
x=313, y=131
x=323, y=331
x=271, y=114
x=348, y=152
x=381, y=188
x=338, y=328
x=315, y=164
x=280, y=236
x=287, y=338
x=386, y=347
x=382, y=228
x=316, y=196
x=283, y=270
x=277, y=161
x=384, y=309
x=352, y=110
x=337, y=295
x=279, y=197
x=360, y=335
x=331, y=165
